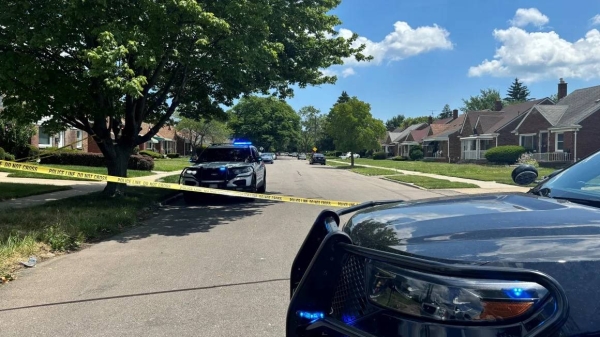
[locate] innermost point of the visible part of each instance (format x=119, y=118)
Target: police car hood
x=218, y=164
x=482, y=229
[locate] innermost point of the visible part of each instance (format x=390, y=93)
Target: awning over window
x=163, y=139
x=154, y=141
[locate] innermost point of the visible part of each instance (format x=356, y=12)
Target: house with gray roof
x=565, y=132
x=485, y=129
x=392, y=143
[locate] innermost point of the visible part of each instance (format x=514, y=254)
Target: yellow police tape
x=169, y=186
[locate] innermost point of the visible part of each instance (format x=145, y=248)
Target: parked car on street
x=267, y=158
x=317, y=158
x=302, y=156
x=509, y=264
x=348, y=154
x=234, y=166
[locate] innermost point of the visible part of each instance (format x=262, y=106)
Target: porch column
x=448, y=154
x=575, y=148
x=477, y=147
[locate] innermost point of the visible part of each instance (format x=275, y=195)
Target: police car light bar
x=242, y=143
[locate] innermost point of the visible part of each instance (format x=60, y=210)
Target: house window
x=149, y=145
x=44, y=138
x=559, y=144
x=79, y=139
x=168, y=147
x=529, y=142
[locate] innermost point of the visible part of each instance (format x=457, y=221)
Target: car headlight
x=449, y=298
x=191, y=172
x=241, y=170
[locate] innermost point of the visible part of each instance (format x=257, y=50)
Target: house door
x=544, y=142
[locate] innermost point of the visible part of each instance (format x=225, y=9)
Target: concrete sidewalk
x=484, y=186
x=78, y=188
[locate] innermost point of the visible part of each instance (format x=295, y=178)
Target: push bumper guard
x=328, y=277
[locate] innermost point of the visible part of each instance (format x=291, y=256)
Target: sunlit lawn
x=430, y=183
x=86, y=169
x=10, y=191
x=174, y=164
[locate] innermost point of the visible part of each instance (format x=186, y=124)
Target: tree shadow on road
x=180, y=219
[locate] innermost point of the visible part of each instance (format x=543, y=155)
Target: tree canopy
x=446, y=112
x=394, y=122
x=485, y=100
x=266, y=121
x=202, y=130
x=107, y=66
x=353, y=128
x=344, y=98
x=517, y=92
x=312, y=123
x=408, y=121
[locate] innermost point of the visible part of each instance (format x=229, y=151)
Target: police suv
x=236, y=166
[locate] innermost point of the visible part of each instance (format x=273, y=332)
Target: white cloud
x=595, y=20
x=402, y=43
x=533, y=56
x=526, y=16
x=348, y=72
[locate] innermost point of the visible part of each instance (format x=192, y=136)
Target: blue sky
x=432, y=52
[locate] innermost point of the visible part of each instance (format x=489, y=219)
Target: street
x=219, y=268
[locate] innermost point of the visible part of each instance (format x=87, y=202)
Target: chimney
x=455, y=114
x=498, y=105
x=430, y=120
x=562, y=89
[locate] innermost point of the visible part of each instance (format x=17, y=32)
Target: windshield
x=224, y=154
x=581, y=181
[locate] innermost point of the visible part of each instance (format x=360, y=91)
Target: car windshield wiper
x=545, y=192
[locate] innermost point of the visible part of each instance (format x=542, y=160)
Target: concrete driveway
x=219, y=268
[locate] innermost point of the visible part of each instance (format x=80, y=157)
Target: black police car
x=318, y=158
x=236, y=166
x=516, y=264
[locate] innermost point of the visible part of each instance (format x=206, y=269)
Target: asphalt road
x=215, y=269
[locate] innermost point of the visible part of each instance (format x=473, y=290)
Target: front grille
x=212, y=174
x=349, y=300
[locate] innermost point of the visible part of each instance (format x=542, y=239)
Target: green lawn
x=86, y=169
x=168, y=165
x=65, y=224
x=367, y=171
x=499, y=174
x=173, y=179
x=10, y=191
x=430, y=183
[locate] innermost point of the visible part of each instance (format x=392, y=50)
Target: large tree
x=446, y=112
x=312, y=123
x=517, y=92
x=485, y=100
x=201, y=130
x=107, y=66
x=344, y=97
x=353, y=128
x=408, y=121
x=266, y=121
x=394, y=122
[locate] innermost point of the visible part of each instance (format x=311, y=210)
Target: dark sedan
x=318, y=158
x=516, y=264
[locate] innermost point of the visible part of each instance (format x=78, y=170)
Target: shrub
x=142, y=163
x=136, y=150
x=508, y=154
x=151, y=153
x=32, y=152
x=527, y=158
x=399, y=158
x=136, y=162
x=379, y=155
x=9, y=157
x=416, y=154
x=2, y=153
x=173, y=155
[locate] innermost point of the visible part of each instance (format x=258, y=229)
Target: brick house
x=74, y=138
x=483, y=130
x=394, y=138
x=566, y=131
x=442, y=144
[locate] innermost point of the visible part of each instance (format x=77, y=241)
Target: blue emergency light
x=242, y=142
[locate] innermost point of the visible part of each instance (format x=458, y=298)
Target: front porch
x=405, y=148
x=475, y=147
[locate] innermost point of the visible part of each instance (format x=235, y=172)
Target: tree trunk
x=117, y=163
x=351, y=159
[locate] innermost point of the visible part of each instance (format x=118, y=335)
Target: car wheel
x=263, y=188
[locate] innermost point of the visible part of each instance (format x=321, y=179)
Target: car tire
x=263, y=188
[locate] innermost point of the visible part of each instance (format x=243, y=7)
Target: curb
x=406, y=184
x=170, y=199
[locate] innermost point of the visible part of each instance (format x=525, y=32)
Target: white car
x=302, y=156
x=347, y=155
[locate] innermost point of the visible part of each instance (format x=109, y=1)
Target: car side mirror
x=524, y=175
